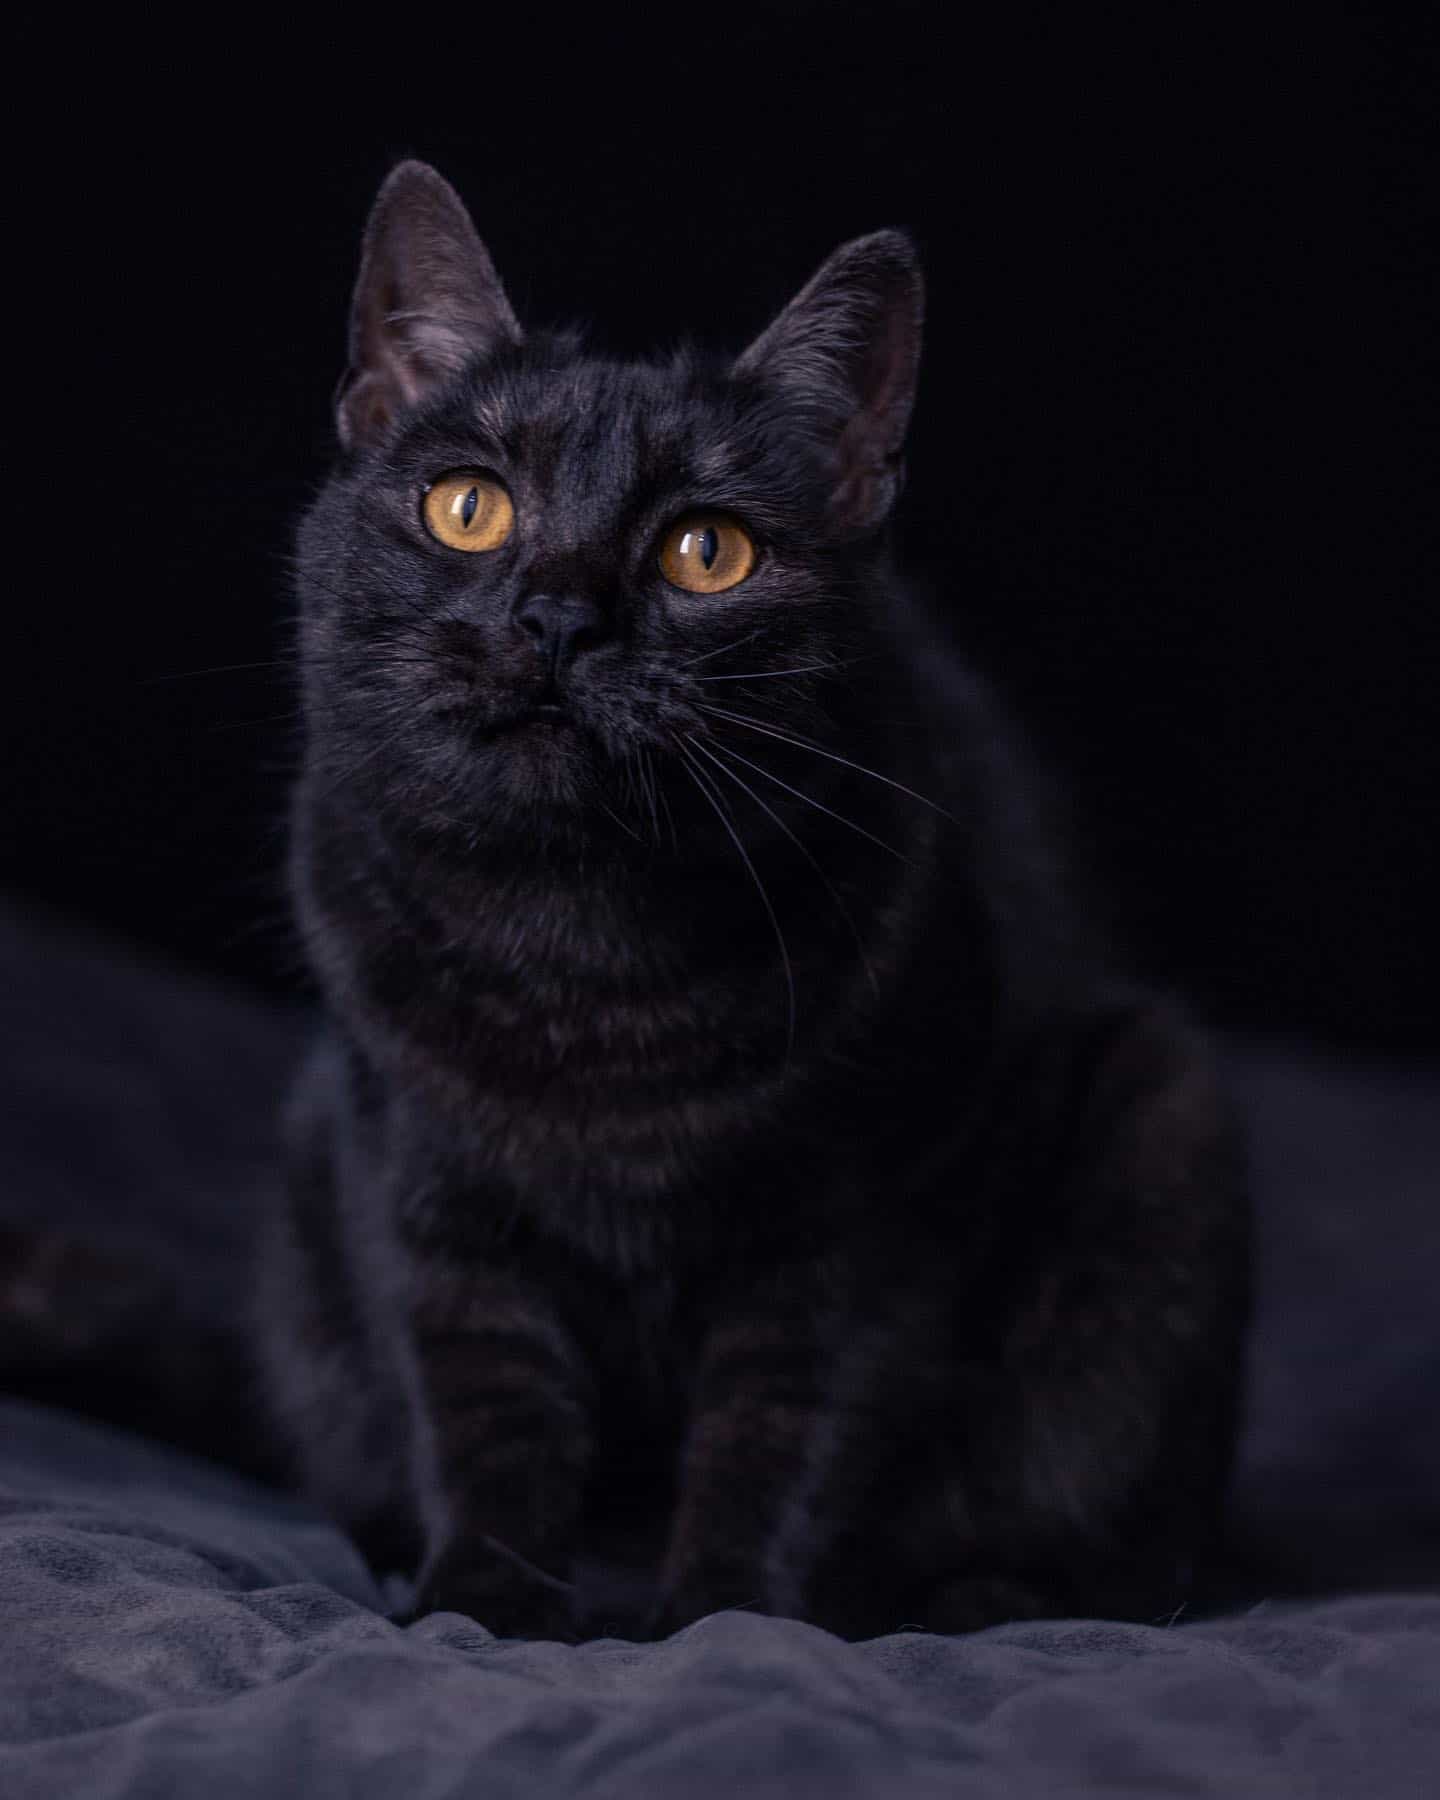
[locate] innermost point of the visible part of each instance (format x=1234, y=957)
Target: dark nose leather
x=561, y=625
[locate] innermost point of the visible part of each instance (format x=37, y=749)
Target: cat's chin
x=541, y=764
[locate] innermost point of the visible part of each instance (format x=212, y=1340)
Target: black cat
x=730, y=1142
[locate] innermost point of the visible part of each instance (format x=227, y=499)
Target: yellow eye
x=469, y=511
x=705, y=553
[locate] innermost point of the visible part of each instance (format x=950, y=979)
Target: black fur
x=731, y=1147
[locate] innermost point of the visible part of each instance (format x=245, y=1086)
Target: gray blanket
x=167, y=1628
x=170, y=1631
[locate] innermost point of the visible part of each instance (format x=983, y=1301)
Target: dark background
x=1175, y=463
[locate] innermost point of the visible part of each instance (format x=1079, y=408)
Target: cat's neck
x=599, y=958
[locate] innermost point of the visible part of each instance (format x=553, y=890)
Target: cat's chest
x=605, y=1119
x=555, y=1001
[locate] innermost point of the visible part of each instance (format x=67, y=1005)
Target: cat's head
x=534, y=570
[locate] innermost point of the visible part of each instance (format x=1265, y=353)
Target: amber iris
x=468, y=510
x=705, y=553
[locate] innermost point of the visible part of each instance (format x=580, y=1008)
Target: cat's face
x=536, y=572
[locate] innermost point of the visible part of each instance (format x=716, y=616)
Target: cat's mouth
x=538, y=719
x=541, y=735
x=546, y=716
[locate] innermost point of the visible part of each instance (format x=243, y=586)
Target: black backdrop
x=1174, y=466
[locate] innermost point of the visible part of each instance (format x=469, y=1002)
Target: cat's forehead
x=609, y=440
x=555, y=416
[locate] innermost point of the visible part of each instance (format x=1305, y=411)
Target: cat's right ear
x=847, y=350
x=427, y=300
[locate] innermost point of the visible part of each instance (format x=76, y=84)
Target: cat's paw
x=499, y=1596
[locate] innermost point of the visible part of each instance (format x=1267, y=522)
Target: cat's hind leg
x=1088, y=1473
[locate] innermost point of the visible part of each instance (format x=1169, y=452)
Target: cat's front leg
x=503, y=1453
x=770, y=1455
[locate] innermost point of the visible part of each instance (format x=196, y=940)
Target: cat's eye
x=468, y=510
x=705, y=553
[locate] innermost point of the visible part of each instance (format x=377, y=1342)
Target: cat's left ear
x=847, y=351
x=426, y=301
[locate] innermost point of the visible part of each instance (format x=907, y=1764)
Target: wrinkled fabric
x=170, y=1630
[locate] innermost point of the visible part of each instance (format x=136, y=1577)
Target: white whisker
x=707, y=787
x=810, y=800
x=831, y=756
x=723, y=648
x=803, y=848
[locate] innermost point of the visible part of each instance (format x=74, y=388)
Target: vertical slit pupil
x=709, y=546
x=469, y=506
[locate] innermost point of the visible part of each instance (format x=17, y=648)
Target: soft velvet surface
x=169, y=1631
x=166, y=1628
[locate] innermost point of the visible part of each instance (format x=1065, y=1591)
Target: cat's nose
x=561, y=625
